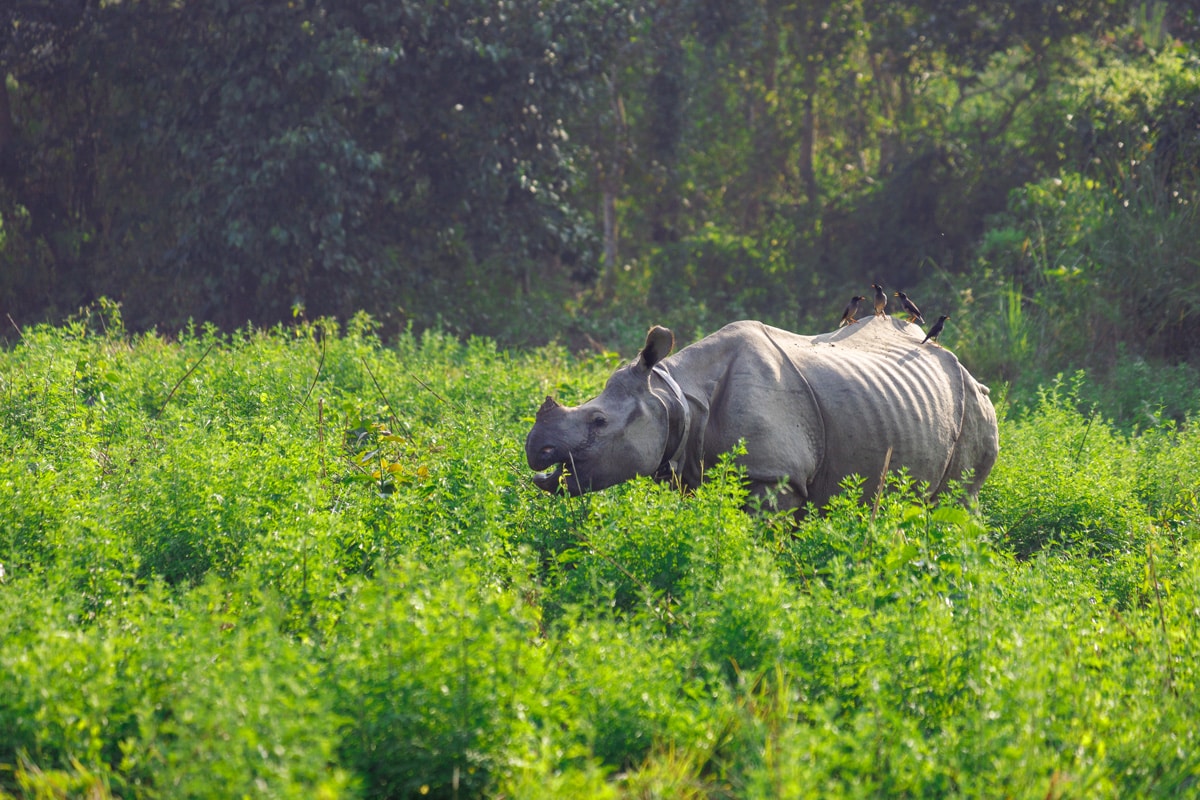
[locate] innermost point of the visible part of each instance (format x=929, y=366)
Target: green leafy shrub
x=745, y=619
x=1064, y=478
x=1137, y=393
x=647, y=543
x=206, y=590
x=230, y=707
x=618, y=690
x=191, y=701
x=1167, y=482
x=431, y=670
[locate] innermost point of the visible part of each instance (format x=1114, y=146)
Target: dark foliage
x=589, y=167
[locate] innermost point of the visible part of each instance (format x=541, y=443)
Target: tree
x=232, y=160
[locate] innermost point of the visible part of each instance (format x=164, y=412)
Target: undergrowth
x=300, y=563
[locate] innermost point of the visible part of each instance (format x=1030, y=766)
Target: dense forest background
x=530, y=170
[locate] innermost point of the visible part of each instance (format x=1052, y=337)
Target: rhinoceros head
x=620, y=434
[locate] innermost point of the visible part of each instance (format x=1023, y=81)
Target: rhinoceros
x=811, y=410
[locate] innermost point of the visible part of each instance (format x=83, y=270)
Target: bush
x=643, y=545
x=316, y=567
x=431, y=672
x=195, y=700
x=1064, y=478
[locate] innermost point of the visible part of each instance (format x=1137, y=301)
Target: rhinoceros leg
x=775, y=496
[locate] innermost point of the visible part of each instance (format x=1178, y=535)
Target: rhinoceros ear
x=659, y=343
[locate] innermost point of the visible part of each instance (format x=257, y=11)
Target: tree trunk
x=813, y=51
x=808, y=146
x=8, y=159
x=611, y=171
x=610, y=233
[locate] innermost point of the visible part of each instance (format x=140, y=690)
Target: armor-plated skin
x=811, y=410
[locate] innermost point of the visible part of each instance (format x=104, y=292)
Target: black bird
x=936, y=330
x=851, y=310
x=880, y=300
x=914, y=313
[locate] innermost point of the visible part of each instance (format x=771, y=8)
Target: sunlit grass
x=301, y=563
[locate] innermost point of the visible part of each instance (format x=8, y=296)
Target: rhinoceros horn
x=548, y=404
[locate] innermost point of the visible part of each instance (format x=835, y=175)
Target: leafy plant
x=195, y=601
x=1064, y=478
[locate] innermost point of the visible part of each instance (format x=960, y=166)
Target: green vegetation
x=300, y=563
x=601, y=165
x=267, y=556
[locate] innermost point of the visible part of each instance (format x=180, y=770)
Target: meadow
x=302, y=563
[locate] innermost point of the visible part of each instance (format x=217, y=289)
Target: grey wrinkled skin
x=811, y=410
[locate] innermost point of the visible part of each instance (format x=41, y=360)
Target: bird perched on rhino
x=936, y=330
x=851, y=310
x=914, y=313
x=880, y=300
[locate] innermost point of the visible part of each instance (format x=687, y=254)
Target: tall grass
x=301, y=563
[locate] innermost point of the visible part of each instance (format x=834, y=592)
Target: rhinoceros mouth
x=549, y=463
x=550, y=480
x=561, y=478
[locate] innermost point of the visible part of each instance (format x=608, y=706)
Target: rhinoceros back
x=878, y=387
